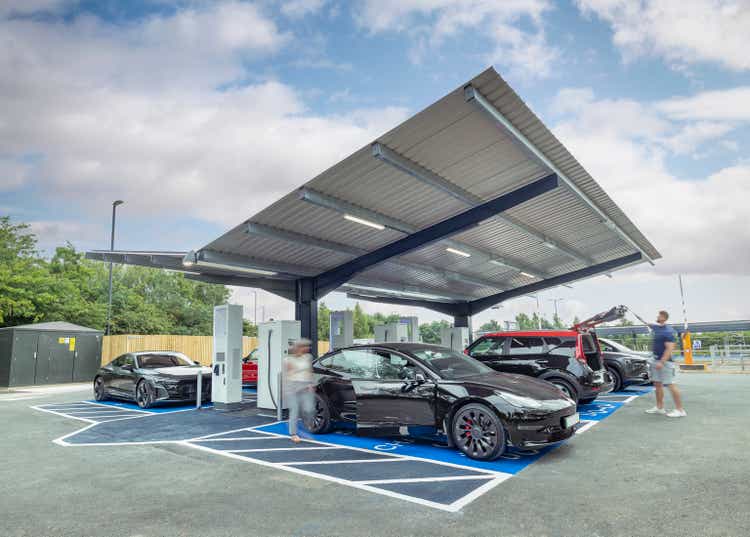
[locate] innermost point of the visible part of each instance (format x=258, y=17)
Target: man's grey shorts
x=665, y=375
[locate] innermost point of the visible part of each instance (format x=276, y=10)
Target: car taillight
x=466, y=352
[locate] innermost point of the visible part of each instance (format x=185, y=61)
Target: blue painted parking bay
x=428, y=473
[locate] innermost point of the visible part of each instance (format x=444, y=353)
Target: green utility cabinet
x=48, y=353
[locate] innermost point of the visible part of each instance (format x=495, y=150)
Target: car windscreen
x=449, y=364
x=155, y=361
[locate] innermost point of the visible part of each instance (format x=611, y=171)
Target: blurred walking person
x=662, y=368
x=298, y=379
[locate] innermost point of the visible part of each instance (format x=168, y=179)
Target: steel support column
x=463, y=321
x=306, y=311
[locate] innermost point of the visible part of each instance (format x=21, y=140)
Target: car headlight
x=521, y=401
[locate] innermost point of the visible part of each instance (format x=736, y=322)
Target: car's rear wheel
x=616, y=378
x=565, y=387
x=318, y=419
x=100, y=392
x=478, y=432
x=144, y=395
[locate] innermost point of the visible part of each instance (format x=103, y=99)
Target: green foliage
x=70, y=288
x=249, y=329
x=490, y=326
x=430, y=332
x=324, y=322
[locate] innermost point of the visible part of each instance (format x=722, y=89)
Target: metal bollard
x=279, y=398
x=199, y=388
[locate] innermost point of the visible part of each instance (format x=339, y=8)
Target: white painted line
x=586, y=427
x=208, y=436
x=279, y=449
x=63, y=415
x=425, y=479
x=394, y=459
x=233, y=439
x=75, y=413
x=400, y=455
x=420, y=501
x=631, y=398
x=477, y=492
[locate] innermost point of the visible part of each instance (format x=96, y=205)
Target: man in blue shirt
x=662, y=368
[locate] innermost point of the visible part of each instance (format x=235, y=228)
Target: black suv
x=625, y=366
x=570, y=359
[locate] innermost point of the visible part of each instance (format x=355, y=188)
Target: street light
x=111, y=249
x=555, y=301
x=538, y=311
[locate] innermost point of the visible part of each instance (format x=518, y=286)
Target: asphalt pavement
x=630, y=475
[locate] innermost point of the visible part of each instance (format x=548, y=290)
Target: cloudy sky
x=187, y=110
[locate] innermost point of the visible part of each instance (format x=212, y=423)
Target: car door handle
x=542, y=362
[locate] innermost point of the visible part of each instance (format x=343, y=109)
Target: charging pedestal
x=391, y=333
x=413, y=326
x=454, y=338
x=341, y=329
x=226, y=378
x=274, y=340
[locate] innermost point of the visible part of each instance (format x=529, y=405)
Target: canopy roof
x=472, y=200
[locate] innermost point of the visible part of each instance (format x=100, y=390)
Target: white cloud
x=700, y=226
x=430, y=23
x=137, y=116
x=295, y=9
x=682, y=32
x=729, y=104
x=13, y=174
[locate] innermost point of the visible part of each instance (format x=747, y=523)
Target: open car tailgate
x=613, y=314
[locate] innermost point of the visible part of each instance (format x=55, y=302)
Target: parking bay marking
x=449, y=489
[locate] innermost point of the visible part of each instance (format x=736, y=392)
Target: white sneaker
x=676, y=413
x=656, y=410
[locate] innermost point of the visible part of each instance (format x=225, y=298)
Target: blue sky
x=180, y=109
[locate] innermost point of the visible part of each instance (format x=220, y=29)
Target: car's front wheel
x=616, y=379
x=565, y=387
x=144, y=395
x=478, y=432
x=318, y=419
x=100, y=392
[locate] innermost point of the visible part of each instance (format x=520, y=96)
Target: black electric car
x=387, y=389
x=148, y=377
x=626, y=366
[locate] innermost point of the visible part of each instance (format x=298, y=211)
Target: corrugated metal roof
x=470, y=159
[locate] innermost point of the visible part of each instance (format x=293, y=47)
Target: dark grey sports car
x=148, y=377
x=414, y=389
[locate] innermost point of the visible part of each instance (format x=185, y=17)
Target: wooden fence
x=198, y=348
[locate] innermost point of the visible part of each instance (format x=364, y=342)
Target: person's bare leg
x=659, y=389
x=676, y=397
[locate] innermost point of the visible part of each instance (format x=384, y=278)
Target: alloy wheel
x=475, y=432
x=99, y=389
x=564, y=388
x=143, y=397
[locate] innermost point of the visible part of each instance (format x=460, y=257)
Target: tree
x=431, y=332
x=249, y=329
x=324, y=322
x=490, y=326
x=524, y=322
x=26, y=288
x=362, y=327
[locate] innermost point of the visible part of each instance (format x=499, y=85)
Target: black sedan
x=388, y=389
x=625, y=366
x=150, y=376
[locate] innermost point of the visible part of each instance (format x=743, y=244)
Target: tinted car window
x=354, y=363
x=128, y=360
x=391, y=366
x=607, y=347
x=489, y=346
x=117, y=362
x=450, y=364
x=561, y=345
x=588, y=343
x=154, y=361
x=520, y=346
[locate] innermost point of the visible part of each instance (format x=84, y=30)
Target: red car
x=250, y=369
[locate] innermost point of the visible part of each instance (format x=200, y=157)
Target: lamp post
x=555, y=301
x=111, y=249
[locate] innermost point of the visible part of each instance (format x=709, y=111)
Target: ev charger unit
x=341, y=329
x=274, y=340
x=226, y=380
x=391, y=333
x=454, y=338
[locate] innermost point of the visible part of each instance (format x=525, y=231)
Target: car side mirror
x=419, y=378
x=196, y=362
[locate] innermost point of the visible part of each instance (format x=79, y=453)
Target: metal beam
x=333, y=278
x=402, y=291
x=471, y=94
x=446, y=308
x=231, y=262
x=344, y=207
x=482, y=304
x=306, y=240
x=283, y=288
x=422, y=174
